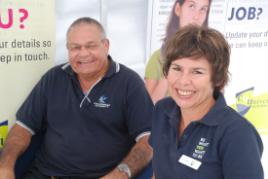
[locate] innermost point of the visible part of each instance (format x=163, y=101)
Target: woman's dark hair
x=195, y=42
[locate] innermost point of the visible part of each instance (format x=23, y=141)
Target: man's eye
x=76, y=48
x=73, y=48
x=91, y=46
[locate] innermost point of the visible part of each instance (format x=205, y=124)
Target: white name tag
x=190, y=162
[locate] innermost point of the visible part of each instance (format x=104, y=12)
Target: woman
x=183, y=12
x=195, y=134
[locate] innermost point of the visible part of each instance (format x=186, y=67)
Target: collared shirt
x=221, y=145
x=86, y=134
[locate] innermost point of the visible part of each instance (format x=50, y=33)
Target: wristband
x=123, y=167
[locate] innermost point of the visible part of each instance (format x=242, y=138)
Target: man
x=96, y=115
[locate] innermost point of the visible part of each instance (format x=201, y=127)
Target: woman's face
x=190, y=83
x=192, y=12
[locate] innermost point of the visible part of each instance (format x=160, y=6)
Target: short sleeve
x=139, y=108
x=154, y=68
x=240, y=151
x=33, y=110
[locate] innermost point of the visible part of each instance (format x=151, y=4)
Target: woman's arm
x=157, y=88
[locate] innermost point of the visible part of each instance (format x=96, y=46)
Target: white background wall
x=125, y=23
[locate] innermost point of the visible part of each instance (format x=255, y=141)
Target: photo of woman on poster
x=183, y=12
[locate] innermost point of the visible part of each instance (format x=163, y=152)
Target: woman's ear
x=177, y=9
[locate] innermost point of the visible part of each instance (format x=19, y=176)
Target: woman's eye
x=204, y=9
x=192, y=6
x=176, y=68
x=197, y=72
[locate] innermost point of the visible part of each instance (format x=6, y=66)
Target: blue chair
x=26, y=159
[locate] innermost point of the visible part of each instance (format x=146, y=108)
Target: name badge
x=190, y=162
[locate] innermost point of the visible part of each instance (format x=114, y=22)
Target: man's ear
x=106, y=43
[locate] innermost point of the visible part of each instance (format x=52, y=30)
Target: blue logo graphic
x=102, y=99
x=243, y=98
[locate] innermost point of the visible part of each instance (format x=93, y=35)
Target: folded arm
x=138, y=158
x=16, y=143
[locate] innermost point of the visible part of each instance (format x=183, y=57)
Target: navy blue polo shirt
x=222, y=145
x=86, y=135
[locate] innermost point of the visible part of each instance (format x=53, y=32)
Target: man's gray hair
x=90, y=21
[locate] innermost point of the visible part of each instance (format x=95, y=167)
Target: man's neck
x=86, y=82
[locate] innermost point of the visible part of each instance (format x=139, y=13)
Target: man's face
x=88, y=50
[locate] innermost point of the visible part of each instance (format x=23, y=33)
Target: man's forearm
x=139, y=156
x=17, y=141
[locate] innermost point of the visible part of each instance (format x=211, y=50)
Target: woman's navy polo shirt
x=86, y=135
x=222, y=145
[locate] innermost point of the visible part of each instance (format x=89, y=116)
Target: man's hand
x=153, y=177
x=115, y=174
x=6, y=173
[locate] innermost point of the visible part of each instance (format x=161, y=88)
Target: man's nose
x=84, y=51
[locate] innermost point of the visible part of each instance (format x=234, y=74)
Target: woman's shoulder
x=154, y=68
x=233, y=123
x=155, y=57
x=165, y=103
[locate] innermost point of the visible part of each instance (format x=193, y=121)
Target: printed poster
x=27, y=43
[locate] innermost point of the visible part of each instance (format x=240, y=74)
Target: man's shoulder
x=54, y=73
x=58, y=69
x=128, y=73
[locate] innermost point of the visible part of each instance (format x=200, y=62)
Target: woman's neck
x=194, y=114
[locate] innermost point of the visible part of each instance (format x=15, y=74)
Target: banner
x=158, y=15
x=245, y=26
x=27, y=30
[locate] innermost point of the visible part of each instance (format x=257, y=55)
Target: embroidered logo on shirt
x=102, y=102
x=201, y=148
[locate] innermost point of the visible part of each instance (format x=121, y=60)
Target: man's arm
x=17, y=141
x=138, y=158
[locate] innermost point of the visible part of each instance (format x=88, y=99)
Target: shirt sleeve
x=240, y=151
x=139, y=108
x=153, y=68
x=32, y=112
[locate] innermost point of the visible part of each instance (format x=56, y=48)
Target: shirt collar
x=172, y=111
x=210, y=119
x=214, y=116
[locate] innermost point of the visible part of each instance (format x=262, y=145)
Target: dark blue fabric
x=226, y=144
x=96, y=132
x=24, y=162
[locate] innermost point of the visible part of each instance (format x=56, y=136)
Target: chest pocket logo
x=102, y=102
x=201, y=148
